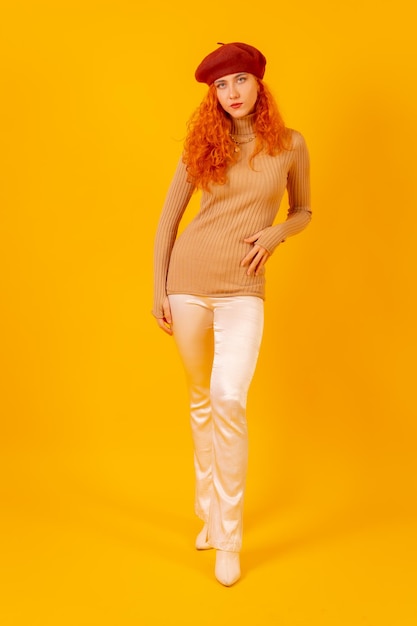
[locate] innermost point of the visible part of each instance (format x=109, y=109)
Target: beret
x=231, y=58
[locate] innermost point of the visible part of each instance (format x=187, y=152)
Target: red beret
x=231, y=58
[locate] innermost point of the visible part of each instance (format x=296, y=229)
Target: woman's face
x=237, y=93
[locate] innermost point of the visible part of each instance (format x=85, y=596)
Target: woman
x=209, y=282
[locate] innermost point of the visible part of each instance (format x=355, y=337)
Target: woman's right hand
x=165, y=323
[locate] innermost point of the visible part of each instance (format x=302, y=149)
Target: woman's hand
x=257, y=257
x=165, y=323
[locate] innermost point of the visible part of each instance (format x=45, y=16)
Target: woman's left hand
x=257, y=257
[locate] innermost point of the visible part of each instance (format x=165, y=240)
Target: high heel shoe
x=227, y=570
x=201, y=542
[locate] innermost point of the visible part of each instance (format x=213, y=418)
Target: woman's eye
x=221, y=85
x=241, y=79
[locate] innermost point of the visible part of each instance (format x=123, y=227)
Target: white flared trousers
x=219, y=339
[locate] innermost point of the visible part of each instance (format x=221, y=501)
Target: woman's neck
x=243, y=125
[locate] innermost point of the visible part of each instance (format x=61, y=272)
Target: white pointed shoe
x=201, y=542
x=227, y=569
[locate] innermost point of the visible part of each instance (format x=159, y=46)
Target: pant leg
x=238, y=327
x=193, y=333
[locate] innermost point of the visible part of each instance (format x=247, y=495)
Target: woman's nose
x=233, y=93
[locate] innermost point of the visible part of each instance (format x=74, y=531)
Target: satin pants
x=218, y=339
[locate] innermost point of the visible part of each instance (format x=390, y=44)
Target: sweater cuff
x=272, y=236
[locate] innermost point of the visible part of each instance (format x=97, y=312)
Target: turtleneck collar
x=243, y=126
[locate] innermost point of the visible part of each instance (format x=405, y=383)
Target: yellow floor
x=78, y=550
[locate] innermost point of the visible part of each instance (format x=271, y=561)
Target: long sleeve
x=178, y=197
x=298, y=187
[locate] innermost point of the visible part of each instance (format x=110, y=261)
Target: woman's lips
x=236, y=105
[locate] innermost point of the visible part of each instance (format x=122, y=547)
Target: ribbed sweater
x=205, y=259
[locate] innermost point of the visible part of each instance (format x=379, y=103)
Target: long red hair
x=209, y=151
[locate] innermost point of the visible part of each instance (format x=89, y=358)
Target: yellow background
x=96, y=462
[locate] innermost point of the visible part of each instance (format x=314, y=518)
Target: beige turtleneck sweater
x=205, y=259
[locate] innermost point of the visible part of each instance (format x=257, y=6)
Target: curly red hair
x=209, y=151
